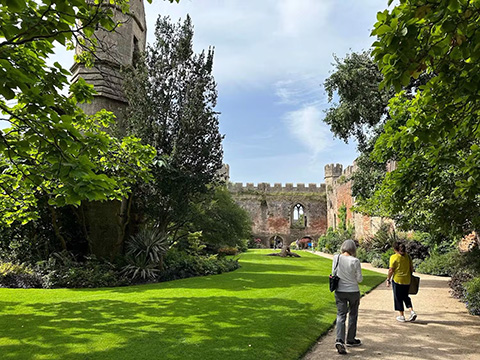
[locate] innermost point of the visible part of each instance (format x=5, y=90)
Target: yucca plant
x=141, y=267
x=145, y=252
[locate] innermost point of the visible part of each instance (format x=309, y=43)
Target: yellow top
x=401, y=268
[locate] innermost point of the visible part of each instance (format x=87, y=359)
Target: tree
x=361, y=112
x=172, y=95
x=362, y=107
x=221, y=220
x=434, y=136
x=52, y=148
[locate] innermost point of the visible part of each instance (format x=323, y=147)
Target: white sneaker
x=401, y=318
x=413, y=316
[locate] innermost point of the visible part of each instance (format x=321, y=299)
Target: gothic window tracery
x=299, y=219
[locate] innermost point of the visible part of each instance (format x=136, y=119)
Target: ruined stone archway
x=276, y=242
x=305, y=241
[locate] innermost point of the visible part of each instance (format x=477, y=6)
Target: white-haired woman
x=347, y=294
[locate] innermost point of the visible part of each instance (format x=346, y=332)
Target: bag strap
x=411, y=264
x=336, y=266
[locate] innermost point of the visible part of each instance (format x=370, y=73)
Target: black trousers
x=400, y=296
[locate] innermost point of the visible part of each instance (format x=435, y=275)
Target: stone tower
x=332, y=173
x=105, y=222
x=115, y=49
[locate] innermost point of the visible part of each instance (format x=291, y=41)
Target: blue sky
x=271, y=59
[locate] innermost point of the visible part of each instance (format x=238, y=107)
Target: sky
x=271, y=60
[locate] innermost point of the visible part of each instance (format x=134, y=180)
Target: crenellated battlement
x=349, y=170
x=333, y=170
x=277, y=187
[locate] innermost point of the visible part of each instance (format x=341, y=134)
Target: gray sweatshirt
x=349, y=271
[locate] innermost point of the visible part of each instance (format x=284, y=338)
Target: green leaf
x=16, y=5
x=382, y=16
x=453, y=5
x=382, y=30
x=6, y=92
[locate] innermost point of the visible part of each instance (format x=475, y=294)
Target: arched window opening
x=299, y=219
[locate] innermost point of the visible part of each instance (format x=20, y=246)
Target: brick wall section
x=339, y=192
x=343, y=196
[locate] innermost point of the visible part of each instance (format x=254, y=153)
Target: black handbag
x=414, y=284
x=334, y=278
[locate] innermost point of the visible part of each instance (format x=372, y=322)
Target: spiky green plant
x=145, y=252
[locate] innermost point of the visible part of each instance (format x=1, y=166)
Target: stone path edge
x=366, y=266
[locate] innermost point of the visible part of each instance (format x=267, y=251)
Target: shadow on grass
x=160, y=328
x=213, y=317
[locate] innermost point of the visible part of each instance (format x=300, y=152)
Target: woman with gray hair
x=347, y=295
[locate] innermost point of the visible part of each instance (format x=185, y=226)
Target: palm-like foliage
x=145, y=252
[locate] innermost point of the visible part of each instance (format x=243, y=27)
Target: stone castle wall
x=271, y=206
x=278, y=188
x=106, y=222
x=114, y=50
x=339, y=192
x=271, y=210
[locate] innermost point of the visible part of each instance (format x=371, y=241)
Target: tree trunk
x=80, y=214
x=123, y=218
x=286, y=248
x=57, y=229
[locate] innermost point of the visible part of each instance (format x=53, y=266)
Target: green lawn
x=271, y=308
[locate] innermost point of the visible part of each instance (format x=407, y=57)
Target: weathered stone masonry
x=339, y=192
x=106, y=222
x=271, y=209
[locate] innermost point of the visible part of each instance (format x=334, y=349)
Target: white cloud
x=258, y=42
x=301, y=90
x=307, y=127
x=298, y=18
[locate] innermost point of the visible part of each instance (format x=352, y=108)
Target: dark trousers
x=347, y=303
x=400, y=296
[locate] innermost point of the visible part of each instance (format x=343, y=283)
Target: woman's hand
x=388, y=282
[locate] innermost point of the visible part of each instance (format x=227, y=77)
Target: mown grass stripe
x=271, y=308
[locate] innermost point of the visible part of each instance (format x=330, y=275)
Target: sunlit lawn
x=271, y=308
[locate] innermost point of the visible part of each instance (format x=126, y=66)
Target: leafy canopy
x=221, y=220
x=362, y=106
x=434, y=136
x=51, y=147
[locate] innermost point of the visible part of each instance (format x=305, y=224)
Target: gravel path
x=443, y=329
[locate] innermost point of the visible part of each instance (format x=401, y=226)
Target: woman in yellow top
x=401, y=268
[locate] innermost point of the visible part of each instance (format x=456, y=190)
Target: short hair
x=349, y=246
x=400, y=247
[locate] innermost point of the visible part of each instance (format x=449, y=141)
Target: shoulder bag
x=334, y=278
x=414, y=282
